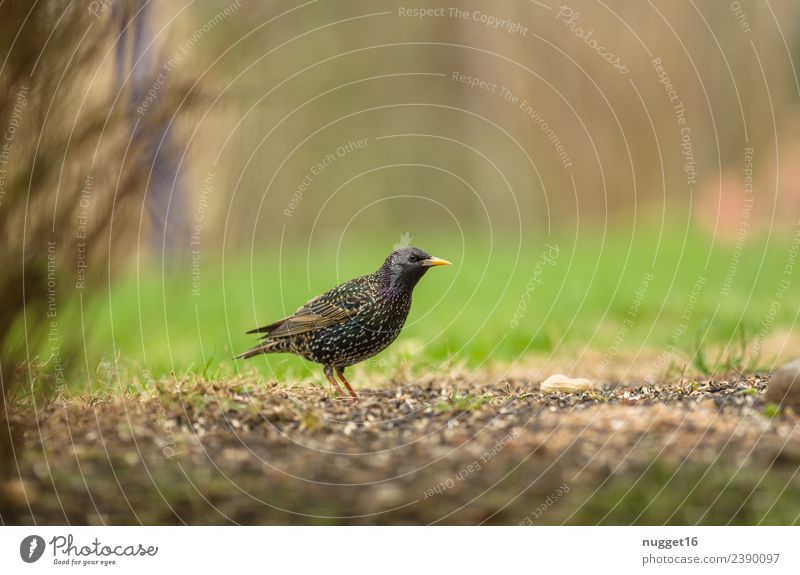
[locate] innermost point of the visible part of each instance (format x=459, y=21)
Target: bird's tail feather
x=274, y=346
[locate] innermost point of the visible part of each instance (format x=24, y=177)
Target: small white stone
x=560, y=382
x=784, y=386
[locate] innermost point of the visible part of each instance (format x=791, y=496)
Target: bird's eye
x=413, y=258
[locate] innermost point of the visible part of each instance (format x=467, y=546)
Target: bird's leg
x=329, y=374
x=340, y=371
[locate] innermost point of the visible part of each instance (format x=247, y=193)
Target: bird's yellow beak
x=434, y=261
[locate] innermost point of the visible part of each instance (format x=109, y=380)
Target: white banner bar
x=399, y=550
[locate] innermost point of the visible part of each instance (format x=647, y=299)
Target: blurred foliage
x=72, y=169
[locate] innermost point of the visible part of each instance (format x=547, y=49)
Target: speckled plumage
x=354, y=320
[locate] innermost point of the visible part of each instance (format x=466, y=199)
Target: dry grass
x=462, y=448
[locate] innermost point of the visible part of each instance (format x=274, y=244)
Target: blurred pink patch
x=723, y=207
x=761, y=193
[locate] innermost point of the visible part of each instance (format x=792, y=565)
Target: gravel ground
x=451, y=450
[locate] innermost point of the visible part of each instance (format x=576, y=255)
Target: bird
x=351, y=322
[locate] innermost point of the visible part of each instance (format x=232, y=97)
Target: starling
x=352, y=321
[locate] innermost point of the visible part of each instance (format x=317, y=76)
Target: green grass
x=461, y=403
x=153, y=324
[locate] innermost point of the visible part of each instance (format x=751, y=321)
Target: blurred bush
x=73, y=161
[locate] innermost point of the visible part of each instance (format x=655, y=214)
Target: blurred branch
x=70, y=167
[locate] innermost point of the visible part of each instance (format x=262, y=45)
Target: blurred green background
x=283, y=147
x=617, y=296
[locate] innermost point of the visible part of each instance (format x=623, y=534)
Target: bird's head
x=407, y=265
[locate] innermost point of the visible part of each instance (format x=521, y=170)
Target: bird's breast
x=374, y=328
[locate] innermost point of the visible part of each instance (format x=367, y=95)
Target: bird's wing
x=330, y=308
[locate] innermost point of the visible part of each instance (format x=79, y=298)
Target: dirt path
x=455, y=450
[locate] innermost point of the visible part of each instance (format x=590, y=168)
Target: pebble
x=560, y=382
x=784, y=386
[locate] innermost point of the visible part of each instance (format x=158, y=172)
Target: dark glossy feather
x=332, y=307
